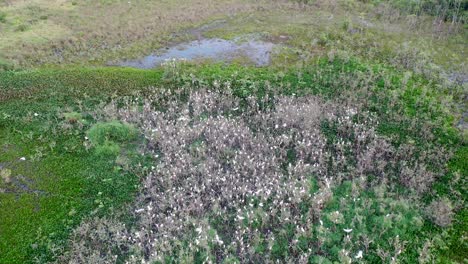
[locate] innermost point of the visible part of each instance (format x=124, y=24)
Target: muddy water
x=216, y=49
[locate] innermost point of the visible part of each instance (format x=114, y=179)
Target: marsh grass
x=3, y=17
x=68, y=39
x=354, y=123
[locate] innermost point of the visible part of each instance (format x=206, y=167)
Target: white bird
x=349, y=230
x=359, y=255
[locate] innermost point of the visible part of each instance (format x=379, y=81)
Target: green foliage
x=371, y=215
x=320, y=260
x=446, y=9
x=106, y=137
x=108, y=148
x=68, y=85
x=70, y=183
x=67, y=182
x=73, y=117
x=114, y=131
x=3, y=17
x=5, y=65
x=22, y=28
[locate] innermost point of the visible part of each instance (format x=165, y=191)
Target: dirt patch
x=16, y=183
x=278, y=39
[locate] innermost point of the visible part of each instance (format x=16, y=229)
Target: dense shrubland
x=344, y=145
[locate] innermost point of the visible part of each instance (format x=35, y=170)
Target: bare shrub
x=214, y=161
x=440, y=212
x=416, y=177
x=97, y=240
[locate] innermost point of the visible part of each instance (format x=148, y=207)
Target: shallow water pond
x=256, y=51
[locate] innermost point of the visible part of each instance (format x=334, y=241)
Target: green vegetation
x=3, y=16
x=452, y=10
x=106, y=136
x=64, y=179
x=87, y=151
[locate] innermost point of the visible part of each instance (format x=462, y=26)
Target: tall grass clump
x=3, y=17
x=5, y=65
x=444, y=17
x=106, y=136
x=448, y=10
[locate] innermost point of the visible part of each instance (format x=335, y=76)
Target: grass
x=68, y=182
x=64, y=187
x=66, y=38
x=69, y=34
x=106, y=137
x=315, y=36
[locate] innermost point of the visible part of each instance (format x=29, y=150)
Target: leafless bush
x=415, y=59
x=97, y=241
x=215, y=161
x=441, y=212
x=412, y=166
x=416, y=177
